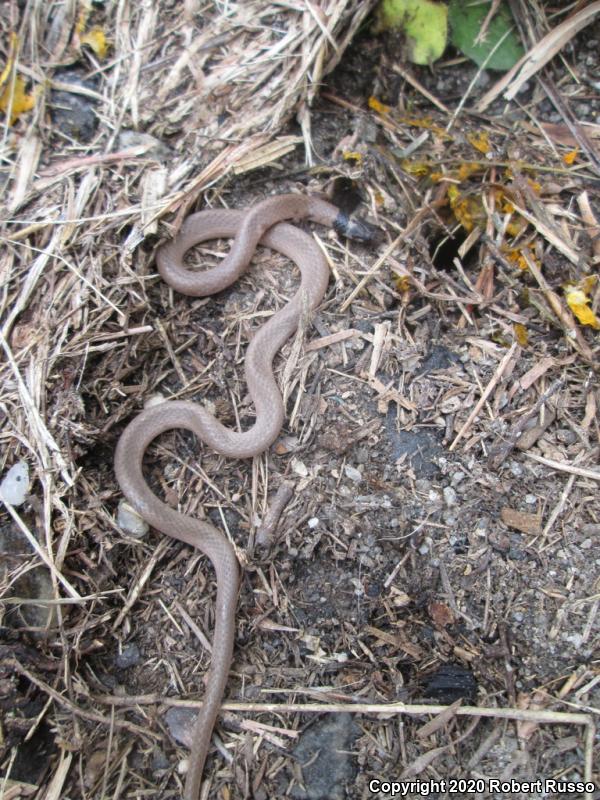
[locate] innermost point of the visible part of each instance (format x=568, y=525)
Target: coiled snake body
x=260, y=224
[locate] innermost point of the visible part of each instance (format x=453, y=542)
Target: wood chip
x=522, y=521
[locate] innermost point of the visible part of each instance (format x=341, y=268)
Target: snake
x=263, y=223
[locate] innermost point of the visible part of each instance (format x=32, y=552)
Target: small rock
x=353, y=473
x=457, y=478
x=566, y=436
x=130, y=521
x=159, y=761
x=516, y=469
x=155, y=400
x=15, y=484
x=34, y=584
x=143, y=142
x=73, y=112
x=450, y=496
x=325, y=756
x=180, y=722
x=299, y=468
x=128, y=657
x=591, y=529
x=362, y=455
x=576, y=640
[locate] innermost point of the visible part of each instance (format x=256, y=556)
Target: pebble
x=566, y=436
x=183, y=766
x=128, y=657
x=130, y=521
x=15, y=484
x=591, y=529
x=458, y=477
x=362, y=455
x=576, y=640
x=300, y=468
x=422, y=485
x=353, y=473
x=450, y=496
x=159, y=761
x=155, y=400
x=72, y=113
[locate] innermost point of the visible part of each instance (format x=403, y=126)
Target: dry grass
x=193, y=106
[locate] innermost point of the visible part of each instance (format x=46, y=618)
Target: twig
x=539, y=55
x=410, y=228
x=93, y=716
x=564, y=467
x=266, y=531
x=42, y=553
x=486, y=393
x=139, y=584
x=500, y=451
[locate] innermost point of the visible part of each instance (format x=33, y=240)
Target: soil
x=409, y=566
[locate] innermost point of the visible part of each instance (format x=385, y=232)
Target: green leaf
x=466, y=17
x=423, y=22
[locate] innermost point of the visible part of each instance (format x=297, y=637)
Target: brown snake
x=261, y=223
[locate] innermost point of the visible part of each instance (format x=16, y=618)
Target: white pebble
x=15, y=484
x=155, y=400
x=300, y=468
x=130, y=521
x=183, y=766
x=576, y=640
x=353, y=473
x=449, y=496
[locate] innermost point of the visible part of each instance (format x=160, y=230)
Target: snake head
x=357, y=229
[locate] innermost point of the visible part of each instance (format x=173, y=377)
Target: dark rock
x=128, y=657
x=324, y=754
x=74, y=114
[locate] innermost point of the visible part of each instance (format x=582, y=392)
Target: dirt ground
x=435, y=549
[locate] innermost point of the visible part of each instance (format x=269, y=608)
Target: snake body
x=260, y=224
